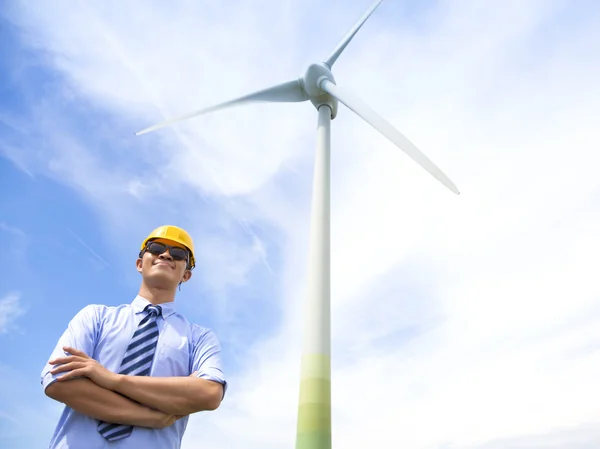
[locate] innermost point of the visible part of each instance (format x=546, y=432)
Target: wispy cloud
x=12, y=230
x=12, y=151
x=15, y=240
x=86, y=246
x=16, y=156
x=577, y=437
x=10, y=310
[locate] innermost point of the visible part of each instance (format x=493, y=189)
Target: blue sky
x=473, y=320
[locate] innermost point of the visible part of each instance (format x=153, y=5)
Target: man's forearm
x=172, y=395
x=85, y=397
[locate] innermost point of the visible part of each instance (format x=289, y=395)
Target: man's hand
x=165, y=420
x=79, y=364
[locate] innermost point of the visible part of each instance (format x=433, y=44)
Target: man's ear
x=138, y=264
x=186, y=276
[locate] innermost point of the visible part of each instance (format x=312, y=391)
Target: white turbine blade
x=348, y=37
x=290, y=91
x=384, y=127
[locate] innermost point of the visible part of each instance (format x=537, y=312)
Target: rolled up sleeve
x=207, y=359
x=80, y=334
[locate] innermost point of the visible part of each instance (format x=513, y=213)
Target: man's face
x=162, y=270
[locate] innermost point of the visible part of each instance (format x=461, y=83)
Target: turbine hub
x=312, y=79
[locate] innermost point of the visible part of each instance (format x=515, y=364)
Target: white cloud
x=10, y=310
x=484, y=318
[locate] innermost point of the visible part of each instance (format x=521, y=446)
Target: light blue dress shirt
x=103, y=333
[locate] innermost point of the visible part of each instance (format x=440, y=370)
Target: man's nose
x=166, y=255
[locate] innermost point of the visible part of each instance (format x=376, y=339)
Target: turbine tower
x=318, y=86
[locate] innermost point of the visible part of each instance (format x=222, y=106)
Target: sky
x=458, y=322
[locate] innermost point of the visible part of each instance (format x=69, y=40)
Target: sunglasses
x=177, y=253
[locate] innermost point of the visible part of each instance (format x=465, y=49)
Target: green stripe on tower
x=314, y=409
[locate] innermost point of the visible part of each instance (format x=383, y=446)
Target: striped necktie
x=136, y=362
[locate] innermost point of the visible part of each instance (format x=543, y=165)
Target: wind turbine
x=318, y=85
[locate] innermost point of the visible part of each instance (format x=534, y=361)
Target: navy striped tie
x=136, y=362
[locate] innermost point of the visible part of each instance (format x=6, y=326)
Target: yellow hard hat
x=175, y=234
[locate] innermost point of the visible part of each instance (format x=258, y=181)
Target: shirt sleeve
x=80, y=334
x=207, y=359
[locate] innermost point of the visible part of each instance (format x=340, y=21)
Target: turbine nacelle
x=312, y=83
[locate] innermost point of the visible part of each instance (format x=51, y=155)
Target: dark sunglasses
x=177, y=253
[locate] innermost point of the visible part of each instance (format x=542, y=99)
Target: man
x=130, y=375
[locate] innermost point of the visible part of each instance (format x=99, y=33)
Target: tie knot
x=154, y=310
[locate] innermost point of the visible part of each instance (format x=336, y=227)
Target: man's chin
x=162, y=280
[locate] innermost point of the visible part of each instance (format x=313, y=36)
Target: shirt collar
x=140, y=303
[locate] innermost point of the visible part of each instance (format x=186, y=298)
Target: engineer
x=131, y=375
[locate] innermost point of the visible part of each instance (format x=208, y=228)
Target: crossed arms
x=157, y=402
x=74, y=378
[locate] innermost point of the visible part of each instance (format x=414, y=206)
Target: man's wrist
x=116, y=382
x=159, y=420
x=155, y=418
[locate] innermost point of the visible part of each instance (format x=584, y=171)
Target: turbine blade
x=384, y=127
x=290, y=91
x=348, y=37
